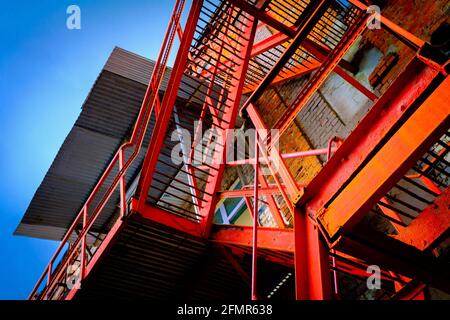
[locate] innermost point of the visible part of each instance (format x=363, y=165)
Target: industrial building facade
x=341, y=177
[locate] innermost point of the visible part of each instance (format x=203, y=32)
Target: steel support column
x=311, y=261
x=255, y=222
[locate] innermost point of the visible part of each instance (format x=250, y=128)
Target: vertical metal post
x=49, y=274
x=83, y=246
x=333, y=258
x=255, y=221
x=189, y=169
x=276, y=213
x=123, y=195
x=311, y=260
x=275, y=155
x=49, y=279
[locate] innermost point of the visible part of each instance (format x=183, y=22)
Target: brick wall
x=327, y=114
x=420, y=17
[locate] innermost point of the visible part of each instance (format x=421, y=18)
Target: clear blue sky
x=46, y=72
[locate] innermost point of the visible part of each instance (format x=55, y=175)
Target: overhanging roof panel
x=106, y=119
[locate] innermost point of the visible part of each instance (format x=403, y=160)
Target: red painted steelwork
x=391, y=254
x=387, y=142
x=292, y=155
x=273, y=206
x=135, y=142
x=320, y=53
x=262, y=16
x=167, y=105
x=430, y=227
x=274, y=156
x=312, y=267
x=248, y=192
x=414, y=41
x=166, y=218
x=391, y=162
x=230, y=118
x=389, y=110
x=255, y=222
x=268, y=238
x=321, y=75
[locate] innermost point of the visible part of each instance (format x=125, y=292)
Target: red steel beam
x=282, y=240
x=262, y=16
x=392, y=108
x=294, y=72
x=272, y=204
x=162, y=122
x=274, y=156
x=356, y=267
x=291, y=155
x=265, y=190
x=311, y=261
x=254, y=294
x=411, y=291
x=268, y=238
x=269, y=43
x=430, y=227
x=391, y=162
x=317, y=50
x=322, y=74
x=166, y=218
x=320, y=53
x=401, y=33
x=312, y=15
x=229, y=118
x=236, y=265
x=247, y=192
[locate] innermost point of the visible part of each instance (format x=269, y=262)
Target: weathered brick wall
x=271, y=106
x=321, y=119
x=420, y=17
x=318, y=121
x=325, y=115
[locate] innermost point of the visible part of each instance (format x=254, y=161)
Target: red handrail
x=136, y=140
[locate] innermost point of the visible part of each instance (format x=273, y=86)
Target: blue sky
x=46, y=72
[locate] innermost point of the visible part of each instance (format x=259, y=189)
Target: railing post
x=49, y=273
x=141, y=123
x=49, y=278
x=83, y=246
x=255, y=221
x=123, y=196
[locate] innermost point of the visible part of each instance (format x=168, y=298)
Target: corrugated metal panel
x=106, y=119
x=105, y=122
x=132, y=66
x=152, y=261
